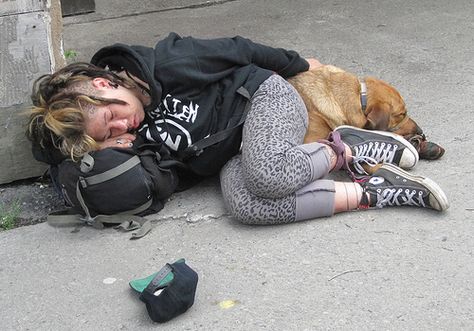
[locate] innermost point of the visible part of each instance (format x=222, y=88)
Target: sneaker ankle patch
x=376, y=180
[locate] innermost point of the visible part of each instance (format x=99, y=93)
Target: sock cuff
x=318, y=157
x=315, y=200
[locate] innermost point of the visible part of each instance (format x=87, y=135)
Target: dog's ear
x=378, y=117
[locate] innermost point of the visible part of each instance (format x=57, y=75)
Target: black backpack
x=116, y=186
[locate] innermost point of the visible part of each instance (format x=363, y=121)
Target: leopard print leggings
x=275, y=174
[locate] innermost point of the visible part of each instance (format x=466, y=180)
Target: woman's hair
x=61, y=101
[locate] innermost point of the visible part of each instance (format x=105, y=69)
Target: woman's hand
x=123, y=141
x=314, y=64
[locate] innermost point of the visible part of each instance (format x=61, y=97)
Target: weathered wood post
x=30, y=45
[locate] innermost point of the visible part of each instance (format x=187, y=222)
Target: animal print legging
x=277, y=178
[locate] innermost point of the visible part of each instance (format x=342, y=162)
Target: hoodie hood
x=139, y=61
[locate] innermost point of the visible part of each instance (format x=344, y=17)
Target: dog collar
x=363, y=95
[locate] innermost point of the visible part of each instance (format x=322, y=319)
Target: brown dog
x=334, y=97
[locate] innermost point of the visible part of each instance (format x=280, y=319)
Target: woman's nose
x=119, y=125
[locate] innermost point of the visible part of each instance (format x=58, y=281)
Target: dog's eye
x=400, y=116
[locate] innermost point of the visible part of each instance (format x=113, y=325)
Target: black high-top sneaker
x=392, y=186
x=373, y=147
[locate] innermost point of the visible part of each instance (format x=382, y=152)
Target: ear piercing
x=145, y=92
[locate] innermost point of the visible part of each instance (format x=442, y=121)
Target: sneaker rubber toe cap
x=408, y=160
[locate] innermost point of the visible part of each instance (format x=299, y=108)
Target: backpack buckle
x=87, y=163
x=197, y=151
x=83, y=182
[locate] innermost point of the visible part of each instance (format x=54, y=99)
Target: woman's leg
x=315, y=200
x=320, y=198
x=347, y=196
x=389, y=186
x=275, y=180
x=275, y=161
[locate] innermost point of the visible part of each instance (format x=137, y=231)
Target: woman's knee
x=234, y=193
x=248, y=213
x=241, y=213
x=242, y=204
x=276, y=176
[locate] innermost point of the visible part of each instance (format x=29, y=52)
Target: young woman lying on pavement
x=186, y=89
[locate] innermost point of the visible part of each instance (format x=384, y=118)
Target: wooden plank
x=16, y=160
x=25, y=54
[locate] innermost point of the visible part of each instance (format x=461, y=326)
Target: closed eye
x=401, y=116
x=108, y=116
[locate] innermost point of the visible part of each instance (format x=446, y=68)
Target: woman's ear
x=378, y=117
x=101, y=83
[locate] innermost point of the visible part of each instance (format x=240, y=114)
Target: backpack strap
x=123, y=222
x=198, y=147
x=111, y=173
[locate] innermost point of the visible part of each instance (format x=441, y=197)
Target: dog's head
x=386, y=110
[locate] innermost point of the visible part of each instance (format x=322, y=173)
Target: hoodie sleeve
x=219, y=55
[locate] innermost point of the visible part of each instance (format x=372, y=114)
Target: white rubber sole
x=438, y=199
x=405, y=165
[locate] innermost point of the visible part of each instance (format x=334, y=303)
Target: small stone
x=109, y=281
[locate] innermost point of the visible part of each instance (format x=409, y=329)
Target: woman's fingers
x=128, y=136
x=122, y=141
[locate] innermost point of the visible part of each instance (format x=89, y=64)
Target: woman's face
x=114, y=119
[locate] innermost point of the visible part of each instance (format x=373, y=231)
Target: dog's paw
x=430, y=150
x=426, y=149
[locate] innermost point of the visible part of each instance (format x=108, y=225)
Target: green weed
x=9, y=215
x=70, y=55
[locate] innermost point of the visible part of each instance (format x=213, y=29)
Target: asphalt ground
x=394, y=269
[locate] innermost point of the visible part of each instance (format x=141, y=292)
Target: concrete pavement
x=395, y=269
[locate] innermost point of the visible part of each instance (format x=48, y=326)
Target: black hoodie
x=193, y=84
